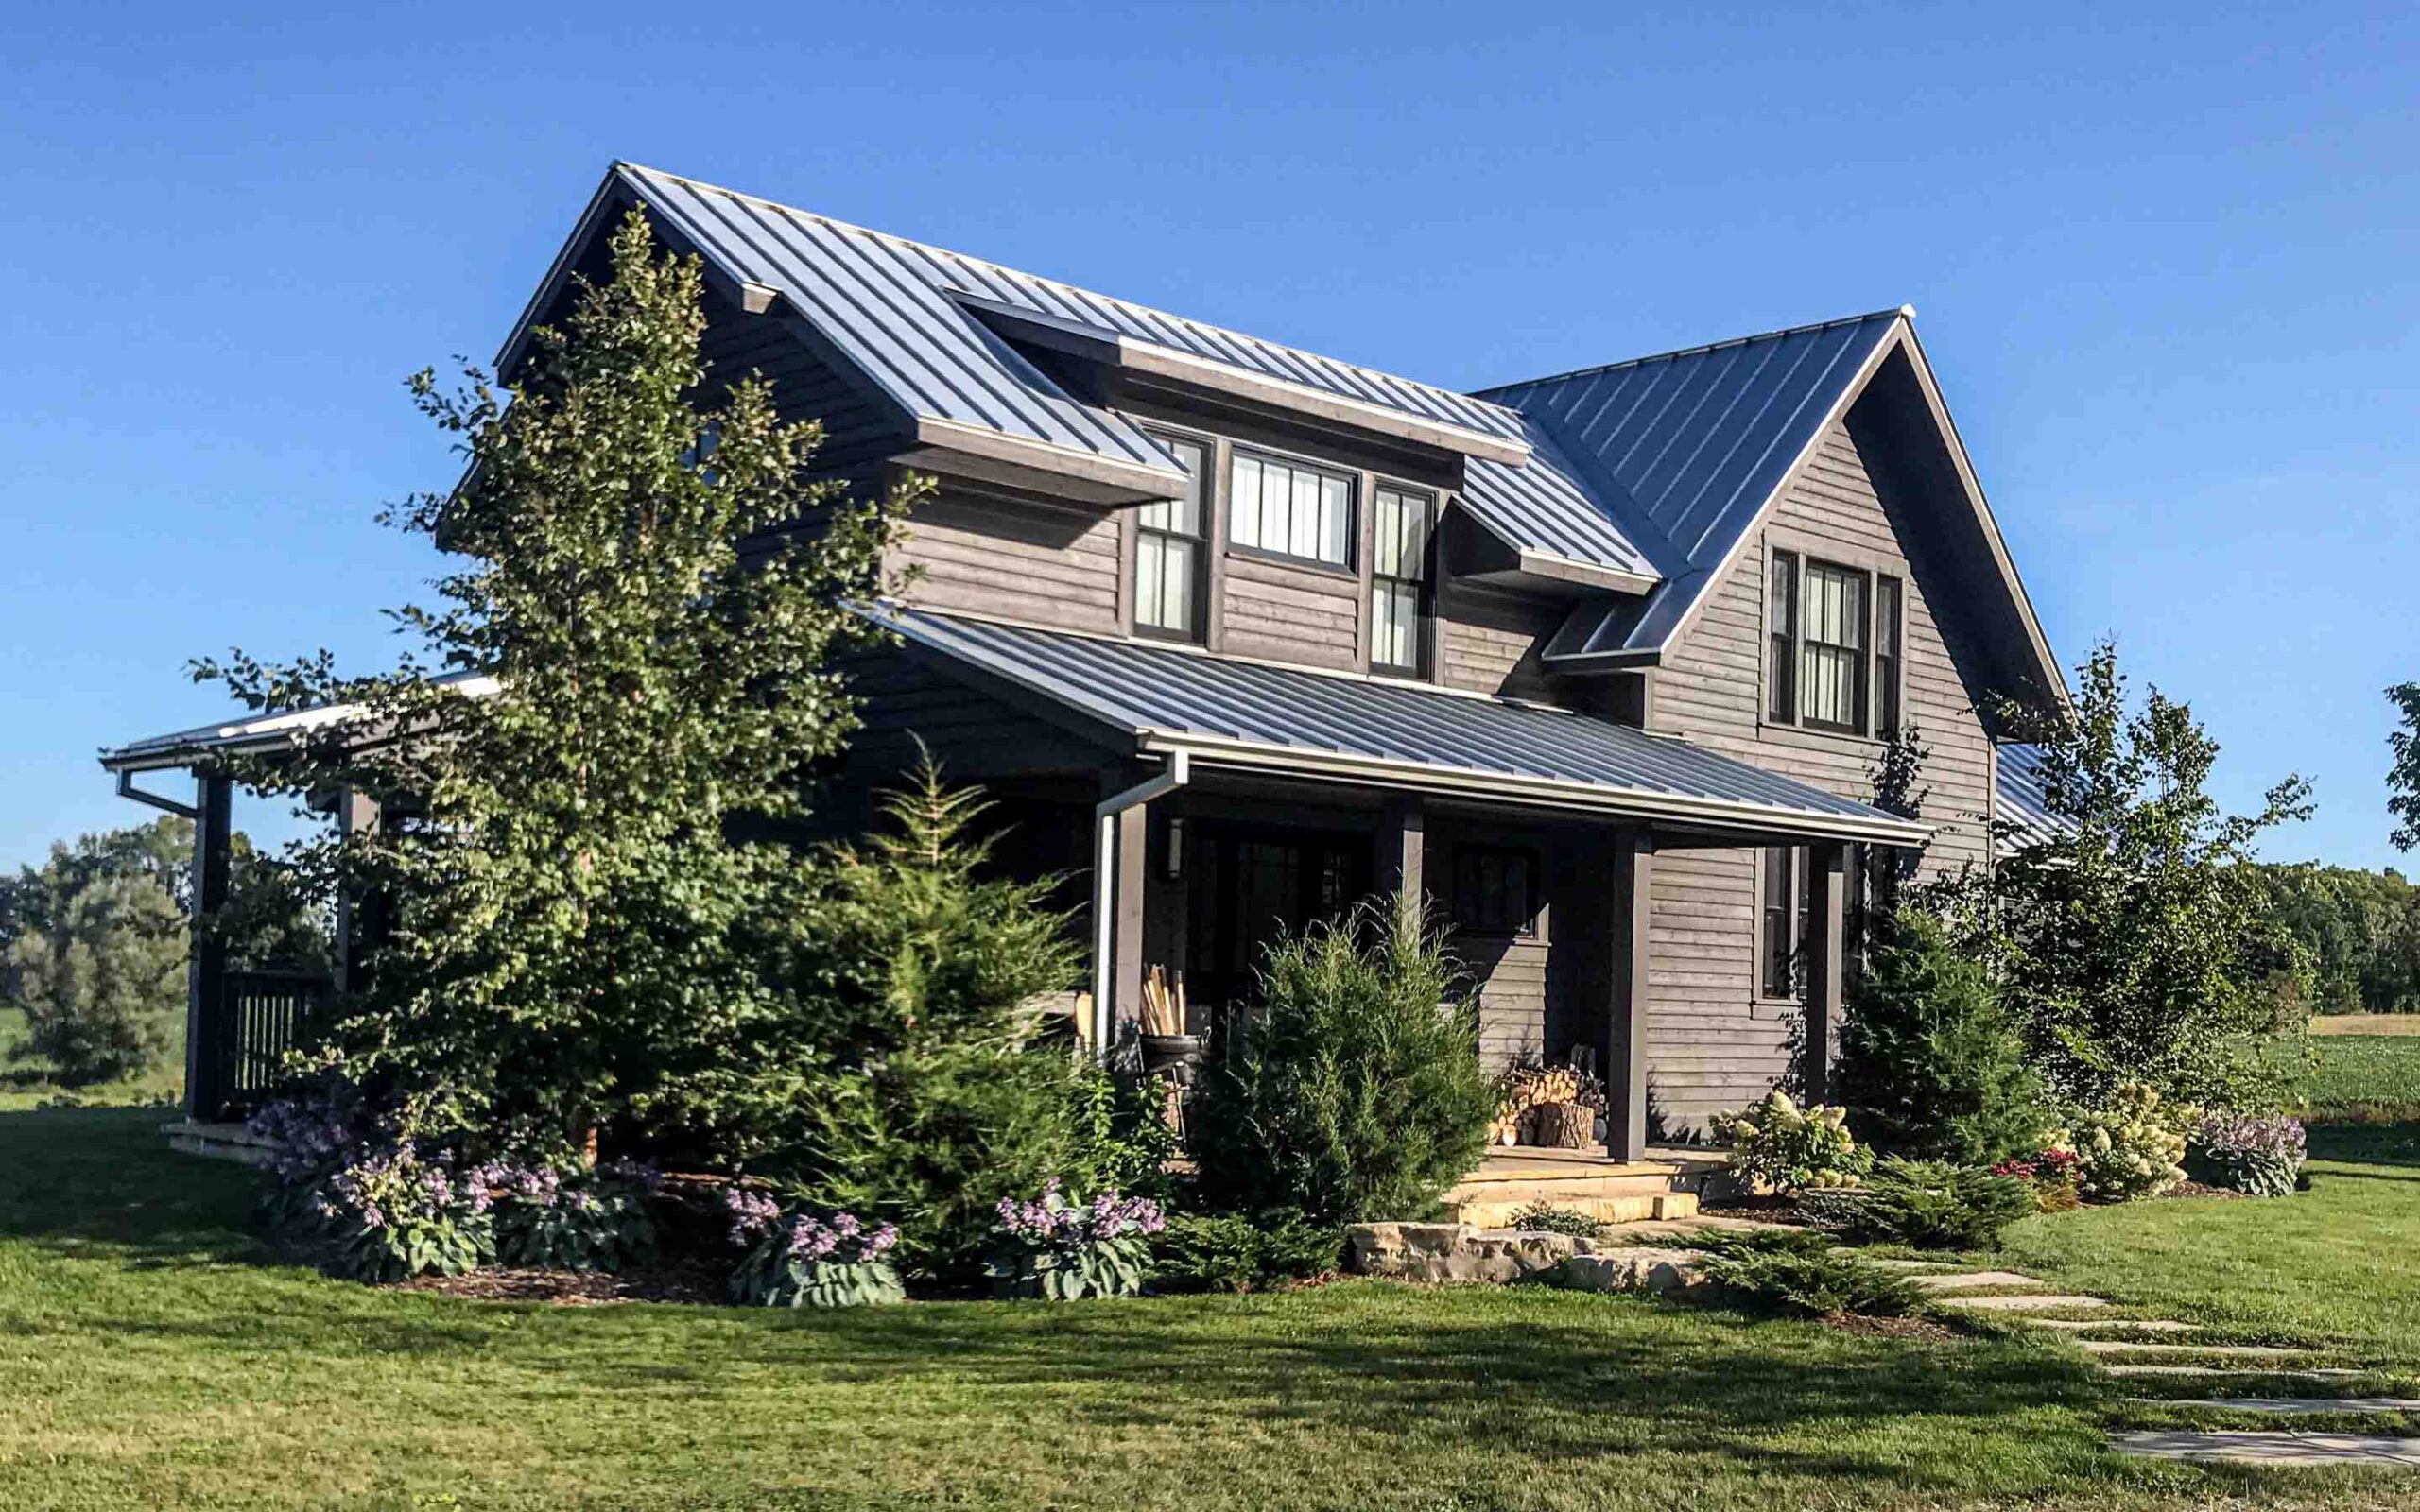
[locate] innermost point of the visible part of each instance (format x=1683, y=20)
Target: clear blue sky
x=2166, y=266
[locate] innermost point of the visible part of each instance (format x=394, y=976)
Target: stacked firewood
x=1162, y=1004
x=1528, y=1093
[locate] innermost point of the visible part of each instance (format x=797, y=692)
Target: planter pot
x=1176, y=1056
x=1562, y=1125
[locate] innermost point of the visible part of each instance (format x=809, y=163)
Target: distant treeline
x=2362, y=931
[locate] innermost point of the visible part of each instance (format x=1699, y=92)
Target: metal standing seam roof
x=2023, y=804
x=1228, y=712
x=1680, y=452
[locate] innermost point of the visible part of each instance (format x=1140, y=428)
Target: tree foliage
x=2135, y=941
x=2403, y=776
x=2359, y=931
x=580, y=864
x=1930, y=1063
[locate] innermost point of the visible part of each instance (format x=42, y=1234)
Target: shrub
x=1063, y=1250
x=1122, y=1135
x=1545, y=1217
x=1929, y=1204
x=2050, y=1172
x=102, y=984
x=1230, y=1252
x=365, y=1206
x=2255, y=1155
x=2132, y=1147
x=1352, y=1089
x=581, y=1220
x=1802, y=1276
x=800, y=1259
x=1776, y=1144
x=1931, y=1065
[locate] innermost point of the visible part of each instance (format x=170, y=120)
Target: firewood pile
x=1546, y=1105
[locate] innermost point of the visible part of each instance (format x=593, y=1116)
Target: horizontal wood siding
x=805, y=387
x=1712, y=1044
x=1488, y=641
x=971, y=734
x=1014, y=559
x=1287, y=614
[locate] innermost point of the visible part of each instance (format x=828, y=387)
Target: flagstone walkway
x=2024, y=1299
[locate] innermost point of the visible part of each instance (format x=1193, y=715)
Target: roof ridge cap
x=1904, y=312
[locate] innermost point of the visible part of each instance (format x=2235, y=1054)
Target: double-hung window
x=1786, y=917
x=1400, y=523
x=1290, y=509
x=1834, y=646
x=1167, y=552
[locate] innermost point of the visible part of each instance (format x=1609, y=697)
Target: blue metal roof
x=1380, y=731
x=1681, y=452
x=2023, y=804
x=1545, y=506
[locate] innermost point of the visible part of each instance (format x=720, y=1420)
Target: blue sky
x=2164, y=264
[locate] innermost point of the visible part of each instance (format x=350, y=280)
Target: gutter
x=1178, y=772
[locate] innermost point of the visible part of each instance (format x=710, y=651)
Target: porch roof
x=1231, y=712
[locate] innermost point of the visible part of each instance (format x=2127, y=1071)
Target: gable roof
x=2024, y=806
x=1157, y=698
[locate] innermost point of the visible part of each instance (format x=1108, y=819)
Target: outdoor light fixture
x=1172, y=855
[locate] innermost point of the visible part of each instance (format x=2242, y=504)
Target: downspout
x=1180, y=770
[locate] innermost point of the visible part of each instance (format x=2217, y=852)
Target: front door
x=1252, y=887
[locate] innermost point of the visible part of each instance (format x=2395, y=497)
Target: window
x=1291, y=509
x=1399, y=580
x=1833, y=646
x=1167, y=552
x=1886, y=656
x=1493, y=890
x=1786, y=917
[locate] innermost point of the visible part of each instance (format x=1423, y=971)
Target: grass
x=2365, y=1078
x=156, y=1358
x=24, y=1087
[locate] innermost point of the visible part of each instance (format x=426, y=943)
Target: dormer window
x=1833, y=657
x=1290, y=509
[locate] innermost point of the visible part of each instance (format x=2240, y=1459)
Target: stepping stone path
x=2250, y=1446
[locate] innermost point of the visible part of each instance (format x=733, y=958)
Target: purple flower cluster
x=1054, y=1222
x=303, y=1138
x=841, y=1239
x=539, y=1186
x=752, y=1214
x=2251, y=1134
x=388, y=1186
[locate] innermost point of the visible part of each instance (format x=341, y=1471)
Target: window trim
x=1803, y=551
x=1352, y=478
x=1423, y=588
x=1199, y=633
x=1860, y=655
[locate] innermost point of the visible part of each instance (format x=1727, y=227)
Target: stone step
x=1496, y=1207
x=2295, y=1372
x=2221, y=1351
x=1971, y=1280
x=2289, y=1406
x=2085, y=1325
x=2269, y=1448
x=2022, y=1304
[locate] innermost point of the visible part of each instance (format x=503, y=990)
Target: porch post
x=1122, y=941
x=1402, y=846
x=1826, y=936
x=1626, y=1004
x=206, y=961
x=356, y=927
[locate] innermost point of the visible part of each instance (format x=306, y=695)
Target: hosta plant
x=2261, y=1156
x=2135, y=1147
x=546, y=1217
x=369, y=1209
x=1778, y=1145
x=1062, y=1250
x=800, y=1258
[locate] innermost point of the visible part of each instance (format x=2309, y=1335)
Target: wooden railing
x=258, y=1018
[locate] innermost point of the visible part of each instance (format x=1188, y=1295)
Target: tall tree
x=2403, y=778
x=96, y=953
x=577, y=860
x=2135, y=939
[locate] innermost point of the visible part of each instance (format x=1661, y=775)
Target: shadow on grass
x=2367, y=1144
x=83, y=1181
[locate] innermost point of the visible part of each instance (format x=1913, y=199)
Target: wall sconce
x=1172, y=853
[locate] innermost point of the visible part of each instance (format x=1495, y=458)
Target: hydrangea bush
x=2262, y=1155
x=1062, y=1250
x=1778, y=1145
x=2133, y=1148
x=800, y=1258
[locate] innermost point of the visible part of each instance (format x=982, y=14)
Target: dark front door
x=1252, y=887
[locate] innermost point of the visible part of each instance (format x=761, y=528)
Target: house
x=1601, y=661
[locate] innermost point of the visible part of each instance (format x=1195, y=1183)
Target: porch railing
x=258, y=1018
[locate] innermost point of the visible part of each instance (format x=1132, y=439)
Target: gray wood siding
x=1013, y=559
x=1488, y=640
x=973, y=735
x=805, y=387
x=1713, y=1045
x=1287, y=614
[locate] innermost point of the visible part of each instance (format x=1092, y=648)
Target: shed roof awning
x=253, y=735
x=1223, y=711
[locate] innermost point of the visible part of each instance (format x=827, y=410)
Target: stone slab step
x=2085, y=1325
x=2219, y=1351
x=2289, y=1406
x=2270, y=1449
x=1495, y=1209
x=2296, y=1372
x=1973, y=1279
x=2022, y=1304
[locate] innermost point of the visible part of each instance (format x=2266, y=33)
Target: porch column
x=1626, y=1004
x=1124, y=896
x=1403, y=843
x=206, y=962
x=1826, y=936
x=358, y=921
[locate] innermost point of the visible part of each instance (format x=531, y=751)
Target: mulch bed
x=675, y=1282
x=1921, y=1329
x=2195, y=1189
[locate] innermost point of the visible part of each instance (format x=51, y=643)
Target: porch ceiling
x=1224, y=712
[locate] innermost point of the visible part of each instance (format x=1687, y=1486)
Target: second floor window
x=1398, y=579
x=1291, y=509
x=1168, y=553
x=1834, y=651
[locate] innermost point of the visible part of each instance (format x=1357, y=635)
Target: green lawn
x=2367, y=1078
x=154, y=1358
